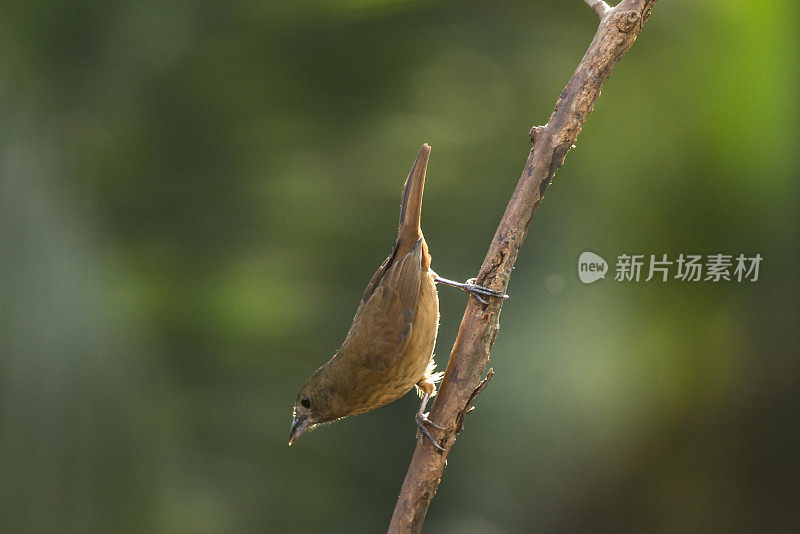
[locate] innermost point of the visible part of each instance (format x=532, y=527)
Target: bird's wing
x=383, y=324
x=404, y=275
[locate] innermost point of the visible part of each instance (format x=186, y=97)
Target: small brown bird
x=389, y=348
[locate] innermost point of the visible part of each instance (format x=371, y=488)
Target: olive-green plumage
x=389, y=347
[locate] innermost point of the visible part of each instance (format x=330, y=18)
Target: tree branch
x=600, y=7
x=618, y=29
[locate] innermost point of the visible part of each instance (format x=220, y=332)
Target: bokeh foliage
x=193, y=196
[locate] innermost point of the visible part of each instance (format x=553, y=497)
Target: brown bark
x=617, y=31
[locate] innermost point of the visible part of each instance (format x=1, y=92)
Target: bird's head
x=316, y=403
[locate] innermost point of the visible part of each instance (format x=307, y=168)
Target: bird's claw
x=476, y=291
x=422, y=420
x=473, y=289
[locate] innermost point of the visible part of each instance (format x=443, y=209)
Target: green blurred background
x=194, y=195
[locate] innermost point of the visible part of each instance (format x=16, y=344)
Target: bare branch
x=618, y=29
x=599, y=7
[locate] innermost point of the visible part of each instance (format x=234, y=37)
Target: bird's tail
x=409, y=231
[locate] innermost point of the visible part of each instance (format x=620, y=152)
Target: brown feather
x=388, y=349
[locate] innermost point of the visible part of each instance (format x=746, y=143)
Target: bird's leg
x=422, y=420
x=475, y=290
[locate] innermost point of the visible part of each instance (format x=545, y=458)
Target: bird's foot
x=473, y=289
x=422, y=420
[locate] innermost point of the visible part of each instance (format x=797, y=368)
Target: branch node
x=628, y=21
x=534, y=132
x=469, y=407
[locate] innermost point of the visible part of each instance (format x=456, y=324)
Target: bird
x=389, y=347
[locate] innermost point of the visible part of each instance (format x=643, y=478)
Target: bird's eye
x=305, y=402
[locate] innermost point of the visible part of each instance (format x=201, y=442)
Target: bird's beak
x=299, y=425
